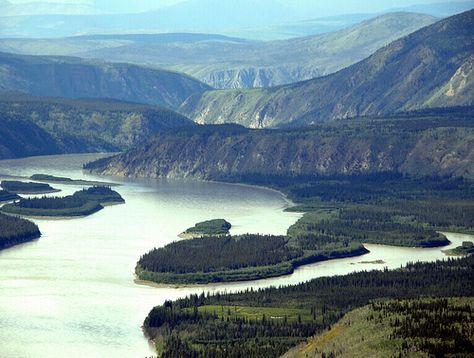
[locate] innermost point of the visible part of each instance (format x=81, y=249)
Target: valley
x=295, y=179
x=390, y=80
x=64, y=262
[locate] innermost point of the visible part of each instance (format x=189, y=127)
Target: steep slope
x=432, y=143
x=408, y=74
x=38, y=126
x=76, y=78
x=225, y=62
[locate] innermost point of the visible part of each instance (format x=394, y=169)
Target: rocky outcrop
x=428, y=68
x=220, y=152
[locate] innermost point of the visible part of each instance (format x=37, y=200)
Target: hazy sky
x=328, y=7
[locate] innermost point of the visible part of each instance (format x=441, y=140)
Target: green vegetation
x=100, y=194
x=7, y=196
x=81, y=203
x=418, y=144
x=14, y=231
x=68, y=181
x=419, y=327
x=218, y=259
x=20, y=187
x=73, y=77
x=215, y=227
x=67, y=206
x=467, y=248
x=254, y=323
x=228, y=62
x=41, y=126
x=385, y=82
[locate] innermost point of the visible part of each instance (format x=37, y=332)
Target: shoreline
x=148, y=283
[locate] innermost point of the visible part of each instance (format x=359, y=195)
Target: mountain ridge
x=74, y=77
x=227, y=62
x=437, y=142
x=407, y=74
x=42, y=126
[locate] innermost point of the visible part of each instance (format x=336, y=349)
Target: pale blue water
x=72, y=292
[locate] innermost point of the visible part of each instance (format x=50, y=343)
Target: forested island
x=81, y=203
x=19, y=187
x=7, y=196
x=268, y=322
x=215, y=227
x=68, y=181
x=341, y=214
x=14, y=231
x=467, y=248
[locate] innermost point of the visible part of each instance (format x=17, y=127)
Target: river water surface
x=72, y=292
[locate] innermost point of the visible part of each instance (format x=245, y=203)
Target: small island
x=466, y=249
x=215, y=227
x=14, y=231
x=81, y=203
x=7, y=196
x=19, y=187
x=68, y=181
x=226, y=258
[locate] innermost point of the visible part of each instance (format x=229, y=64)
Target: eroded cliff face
x=215, y=155
x=429, y=68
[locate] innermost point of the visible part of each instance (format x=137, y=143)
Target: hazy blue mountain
x=39, y=126
x=432, y=67
x=225, y=62
x=255, y=19
x=441, y=9
x=76, y=78
x=42, y=8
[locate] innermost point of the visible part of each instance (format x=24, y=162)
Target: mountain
x=76, y=78
x=40, y=126
x=187, y=16
x=41, y=8
x=256, y=19
x=431, y=67
x=225, y=62
x=439, y=9
x=437, y=142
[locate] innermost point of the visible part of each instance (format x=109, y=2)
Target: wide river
x=72, y=292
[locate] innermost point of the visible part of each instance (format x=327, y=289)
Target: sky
x=328, y=7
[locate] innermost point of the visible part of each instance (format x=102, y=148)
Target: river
x=72, y=292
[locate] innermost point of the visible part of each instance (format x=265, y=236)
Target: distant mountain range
x=40, y=126
x=432, y=67
x=225, y=62
x=256, y=19
x=76, y=78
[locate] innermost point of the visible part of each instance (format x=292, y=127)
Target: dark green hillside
x=427, y=327
x=428, y=68
x=266, y=323
x=14, y=231
x=436, y=142
x=23, y=138
x=76, y=78
x=40, y=126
